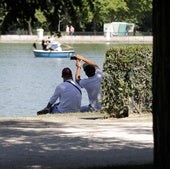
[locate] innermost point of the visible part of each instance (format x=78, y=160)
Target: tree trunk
x=29, y=28
x=161, y=84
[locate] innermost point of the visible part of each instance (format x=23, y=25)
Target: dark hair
x=58, y=34
x=66, y=73
x=89, y=70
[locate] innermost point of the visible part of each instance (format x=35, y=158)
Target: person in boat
x=56, y=46
x=91, y=83
x=34, y=45
x=47, y=45
x=44, y=45
x=68, y=93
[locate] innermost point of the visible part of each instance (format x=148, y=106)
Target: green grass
x=143, y=166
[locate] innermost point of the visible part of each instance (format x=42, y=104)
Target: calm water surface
x=27, y=83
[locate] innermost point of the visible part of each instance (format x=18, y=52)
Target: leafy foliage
x=126, y=86
x=85, y=15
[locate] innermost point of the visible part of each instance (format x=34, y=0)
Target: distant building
x=118, y=29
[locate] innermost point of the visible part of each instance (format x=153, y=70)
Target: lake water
x=27, y=82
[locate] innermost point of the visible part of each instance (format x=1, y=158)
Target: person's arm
x=52, y=101
x=78, y=70
x=56, y=95
x=88, y=61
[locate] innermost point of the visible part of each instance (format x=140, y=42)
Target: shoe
x=44, y=111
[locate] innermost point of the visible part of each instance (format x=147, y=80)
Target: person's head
x=66, y=74
x=58, y=34
x=89, y=69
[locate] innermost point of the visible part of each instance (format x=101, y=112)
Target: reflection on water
x=27, y=83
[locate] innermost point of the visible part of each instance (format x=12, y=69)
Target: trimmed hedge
x=127, y=82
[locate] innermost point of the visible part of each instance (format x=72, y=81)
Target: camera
x=73, y=58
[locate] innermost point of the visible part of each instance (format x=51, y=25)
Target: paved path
x=79, y=39
x=62, y=142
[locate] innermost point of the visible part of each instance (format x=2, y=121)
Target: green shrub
x=126, y=86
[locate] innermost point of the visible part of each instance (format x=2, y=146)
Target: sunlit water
x=27, y=82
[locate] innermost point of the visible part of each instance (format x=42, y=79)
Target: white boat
x=53, y=53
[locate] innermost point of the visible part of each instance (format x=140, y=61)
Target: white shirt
x=69, y=97
x=92, y=86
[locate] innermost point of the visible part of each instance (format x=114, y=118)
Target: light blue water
x=27, y=82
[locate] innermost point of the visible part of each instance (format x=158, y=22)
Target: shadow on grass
x=144, y=166
x=41, y=144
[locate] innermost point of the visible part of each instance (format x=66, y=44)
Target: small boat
x=53, y=53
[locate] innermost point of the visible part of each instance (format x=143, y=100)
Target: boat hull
x=53, y=54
